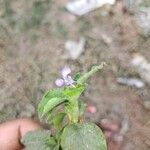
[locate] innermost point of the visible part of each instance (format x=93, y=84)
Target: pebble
x=147, y=105
x=75, y=48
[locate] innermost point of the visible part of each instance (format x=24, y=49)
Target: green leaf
x=39, y=140
x=58, y=119
x=85, y=76
x=51, y=104
x=49, y=95
x=83, y=137
x=49, y=118
x=77, y=76
x=74, y=92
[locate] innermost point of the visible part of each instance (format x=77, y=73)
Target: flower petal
x=65, y=71
x=59, y=82
x=68, y=80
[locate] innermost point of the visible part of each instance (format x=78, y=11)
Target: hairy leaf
x=58, y=119
x=49, y=95
x=39, y=140
x=83, y=137
x=51, y=104
x=74, y=92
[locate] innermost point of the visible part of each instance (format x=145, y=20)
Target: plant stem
x=90, y=73
x=73, y=111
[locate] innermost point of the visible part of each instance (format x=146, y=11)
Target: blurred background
x=39, y=37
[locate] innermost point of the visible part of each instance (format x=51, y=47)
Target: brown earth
x=32, y=53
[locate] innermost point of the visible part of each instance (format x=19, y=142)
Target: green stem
x=73, y=111
x=90, y=73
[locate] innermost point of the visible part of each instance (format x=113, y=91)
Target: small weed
x=74, y=132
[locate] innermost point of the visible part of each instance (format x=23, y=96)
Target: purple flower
x=59, y=82
x=66, y=78
x=65, y=71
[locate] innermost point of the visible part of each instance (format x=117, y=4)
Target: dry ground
x=32, y=37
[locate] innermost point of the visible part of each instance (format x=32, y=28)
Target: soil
x=32, y=54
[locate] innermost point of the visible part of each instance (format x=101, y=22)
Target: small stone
x=82, y=7
x=131, y=82
x=147, y=105
x=143, y=22
x=107, y=39
x=142, y=66
x=75, y=49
